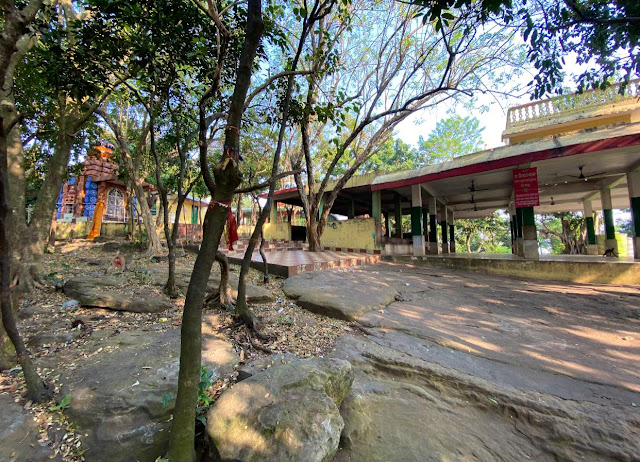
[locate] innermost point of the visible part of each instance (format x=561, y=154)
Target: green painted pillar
x=592, y=243
x=609, y=227
x=417, y=232
x=633, y=184
x=425, y=223
x=514, y=233
x=452, y=233
x=518, y=223
x=398, y=215
x=433, y=226
x=529, y=234
x=444, y=230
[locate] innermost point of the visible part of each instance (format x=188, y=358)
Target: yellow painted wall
x=81, y=229
x=185, y=213
x=277, y=231
x=354, y=234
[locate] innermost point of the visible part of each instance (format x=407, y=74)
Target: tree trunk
x=242, y=309
x=37, y=390
x=155, y=246
x=47, y=197
x=224, y=290
x=181, y=446
x=467, y=242
x=313, y=237
x=265, y=264
x=227, y=178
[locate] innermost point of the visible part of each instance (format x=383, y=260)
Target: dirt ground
x=59, y=336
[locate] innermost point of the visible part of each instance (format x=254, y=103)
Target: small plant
x=204, y=399
x=64, y=403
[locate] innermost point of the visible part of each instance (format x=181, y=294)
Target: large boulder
x=107, y=293
x=340, y=294
x=287, y=413
x=123, y=397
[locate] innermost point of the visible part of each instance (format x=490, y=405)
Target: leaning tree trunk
x=70, y=119
x=37, y=390
x=227, y=178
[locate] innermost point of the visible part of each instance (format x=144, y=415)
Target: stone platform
x=287, y=263
x=571, y=268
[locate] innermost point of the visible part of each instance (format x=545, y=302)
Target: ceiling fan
x=584, y=177
x=473, y=188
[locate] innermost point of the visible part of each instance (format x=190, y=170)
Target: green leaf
x=64, y=403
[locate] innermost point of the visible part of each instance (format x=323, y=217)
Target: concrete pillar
x=397, y=209
x=592, y=245
x=529, y=234
x=433, y=226
x=387, y=223
x=376, y=213
x=444, y=230
x=273, y=212
x=609, y=228
x=633, y=183
x=518, y=244
x=417, y=234
x=351, y=213
x=514, y=231
x=376, y=206
x=452, y=233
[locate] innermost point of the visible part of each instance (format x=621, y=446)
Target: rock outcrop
x=123, y=397
x=287, y=413
x=19, y=433
x=107, y=293
x=324, y=292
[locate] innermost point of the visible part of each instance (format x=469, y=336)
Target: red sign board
x=525, y=187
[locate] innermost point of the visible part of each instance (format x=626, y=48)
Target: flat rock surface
x=19, y=434
x=117, y=395
x=287, y=413
x=108, y=292
x=323, y=292
x=462, y=366
x=403, y=408
x=587, y=332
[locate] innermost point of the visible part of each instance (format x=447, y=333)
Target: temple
x=578, y=152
